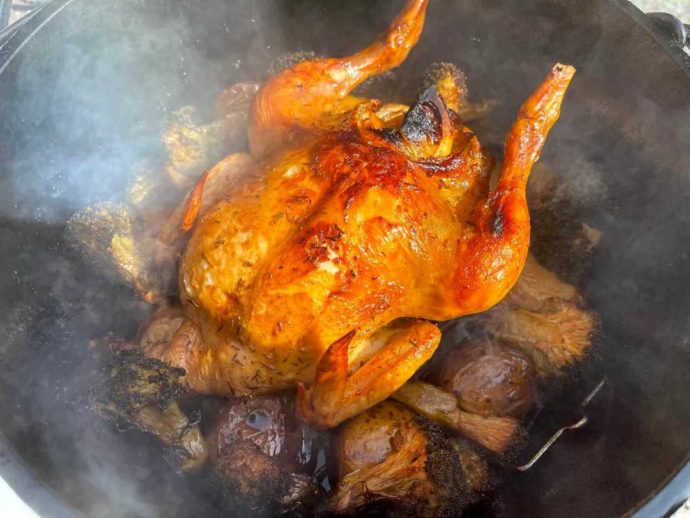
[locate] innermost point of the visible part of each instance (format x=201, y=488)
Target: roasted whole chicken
x=318, y=260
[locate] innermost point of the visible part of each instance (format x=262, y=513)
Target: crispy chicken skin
x=322, y=258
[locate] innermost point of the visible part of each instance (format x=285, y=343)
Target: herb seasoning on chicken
x=349, y=216
x=317, y=262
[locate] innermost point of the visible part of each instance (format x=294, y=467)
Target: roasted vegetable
x=553, y=339
x=144, y=392
x=248, y=445
x=494, y=433
x=255, y=448
x=389, y=455
x=543, y=317
x=451, y=84
x=106, y=235
x=488, y=378
x=539, y=289
x=192, y=145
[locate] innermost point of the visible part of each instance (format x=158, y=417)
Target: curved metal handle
x=583, y=419
x=671, y=28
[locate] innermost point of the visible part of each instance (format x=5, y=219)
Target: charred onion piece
x=143, y=392
x=247, y=445
x=387, y=454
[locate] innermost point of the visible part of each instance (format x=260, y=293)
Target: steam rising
x=82, y=111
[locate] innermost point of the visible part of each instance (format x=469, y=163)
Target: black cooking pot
x=85, y=89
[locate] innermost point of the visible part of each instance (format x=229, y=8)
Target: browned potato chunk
x=490, y=379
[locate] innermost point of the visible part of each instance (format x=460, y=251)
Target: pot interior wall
x=84, y=103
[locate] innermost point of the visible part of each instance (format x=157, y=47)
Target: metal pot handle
x=671, y=28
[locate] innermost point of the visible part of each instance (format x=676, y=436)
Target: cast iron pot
x=85, y=90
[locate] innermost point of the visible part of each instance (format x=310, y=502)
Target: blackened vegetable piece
x=451, y=84
x=389, y=455
x=107, y=237
x=255, y=446
x=144, y=392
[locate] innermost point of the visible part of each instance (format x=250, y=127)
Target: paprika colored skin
x=317, y=261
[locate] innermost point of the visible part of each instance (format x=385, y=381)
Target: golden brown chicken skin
x=319, y=263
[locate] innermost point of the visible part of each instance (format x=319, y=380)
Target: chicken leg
x=315, y=95
x=490, y=256
x=335, y=396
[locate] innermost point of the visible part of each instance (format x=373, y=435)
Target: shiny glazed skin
x=317, y=261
